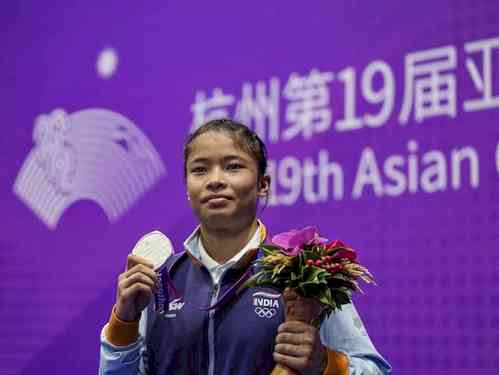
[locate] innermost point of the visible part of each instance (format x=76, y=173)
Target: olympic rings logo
x=265, y=312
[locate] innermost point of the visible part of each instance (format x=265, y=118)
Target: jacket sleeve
x=343, y=331
x=124, y=360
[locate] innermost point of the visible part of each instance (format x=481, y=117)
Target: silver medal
x=155, y=247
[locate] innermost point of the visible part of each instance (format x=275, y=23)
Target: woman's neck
x=223, y=243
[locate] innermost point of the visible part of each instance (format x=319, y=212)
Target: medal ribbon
x=228, y=294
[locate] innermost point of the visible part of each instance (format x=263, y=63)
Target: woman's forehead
x=216, y=145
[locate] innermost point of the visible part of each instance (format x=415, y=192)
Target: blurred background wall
x=381, y=120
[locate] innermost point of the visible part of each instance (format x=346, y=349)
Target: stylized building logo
x=93, y=154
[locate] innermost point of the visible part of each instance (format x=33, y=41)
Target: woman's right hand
x=136, y=288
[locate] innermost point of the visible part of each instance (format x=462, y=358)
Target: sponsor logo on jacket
x=176, y=305
x=173, y=308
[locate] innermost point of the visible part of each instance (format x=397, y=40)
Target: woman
x=224, y=166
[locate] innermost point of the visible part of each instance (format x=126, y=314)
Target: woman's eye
x=198, y=170
x=234, y=166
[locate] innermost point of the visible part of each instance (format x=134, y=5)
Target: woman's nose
x=216, y=180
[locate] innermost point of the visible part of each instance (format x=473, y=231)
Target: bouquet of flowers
x=314, y=267
x=325, y=272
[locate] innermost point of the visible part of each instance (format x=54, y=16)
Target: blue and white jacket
x=236, y=338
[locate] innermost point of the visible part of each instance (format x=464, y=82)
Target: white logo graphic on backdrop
x=107, y=63
x=93, y=154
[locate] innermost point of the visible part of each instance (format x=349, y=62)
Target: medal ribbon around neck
x=228, y=294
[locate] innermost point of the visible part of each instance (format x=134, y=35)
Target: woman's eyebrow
x=225, y=159
x=198, y=160
x=233, y=157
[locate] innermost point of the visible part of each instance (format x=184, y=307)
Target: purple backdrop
x=381, y=122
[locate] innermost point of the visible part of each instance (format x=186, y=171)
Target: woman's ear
x=263, y=186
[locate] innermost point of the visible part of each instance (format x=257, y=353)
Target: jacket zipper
x=211, y=331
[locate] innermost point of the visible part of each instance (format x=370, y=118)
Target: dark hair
x=240, y=133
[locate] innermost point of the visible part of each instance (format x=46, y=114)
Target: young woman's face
x=222, y=180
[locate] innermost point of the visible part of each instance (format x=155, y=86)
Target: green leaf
x=270, y=249
x=341, y=298
x=312, y=273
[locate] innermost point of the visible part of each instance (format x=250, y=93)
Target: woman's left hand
x=298, y=346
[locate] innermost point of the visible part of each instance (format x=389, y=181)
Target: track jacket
x=237, y=337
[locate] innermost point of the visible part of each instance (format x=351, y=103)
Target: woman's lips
x=215, y=197
x=217, y=201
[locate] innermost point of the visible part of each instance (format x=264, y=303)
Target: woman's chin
x=221, y=216
x=224, y=217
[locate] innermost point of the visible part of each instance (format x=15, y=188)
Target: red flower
x=344, y=253
x=335, y=243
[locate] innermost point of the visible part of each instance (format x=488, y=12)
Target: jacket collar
x=192, y=249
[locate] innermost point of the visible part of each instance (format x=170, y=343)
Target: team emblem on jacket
x=266, y=304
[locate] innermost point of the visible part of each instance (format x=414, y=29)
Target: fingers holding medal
x=138, y=284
